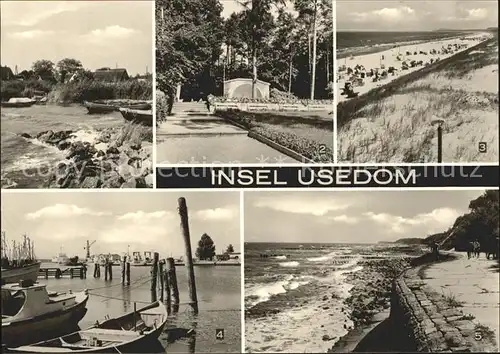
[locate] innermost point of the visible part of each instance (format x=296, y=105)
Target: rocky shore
x=107, y=158
x=370, y=294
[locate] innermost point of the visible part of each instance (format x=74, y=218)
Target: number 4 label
x=219, y=334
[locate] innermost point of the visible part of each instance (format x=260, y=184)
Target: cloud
x=435, y=220
x=392, y=14
x=28, y=13
x=476, y=14
x=63, y=211
x=141, y=216
x=297, y=205
x=344, y=219
x=216, y=214
x=110, y=32
x=30, y=34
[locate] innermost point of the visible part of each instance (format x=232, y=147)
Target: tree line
x=198, y=48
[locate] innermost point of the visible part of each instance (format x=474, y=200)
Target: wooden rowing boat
x=23, y=272
x=138, y=116
x=129, y=333
x=18, y=103
x=99, y=108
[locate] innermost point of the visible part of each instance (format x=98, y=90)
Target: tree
x=188, y=41
x=43, y=68
x=314, y=10
x=206, y=248
x=230, y=249
x=68, y=66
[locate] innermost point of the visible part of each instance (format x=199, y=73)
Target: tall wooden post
x=110, y=271
x=97, y=270
x=154, y=277
x=106, y=270
x=161, y=270
x=168, y=299
x=128, y=273
x=183, y=212
x=172, y=282
x=124, y=269
x=440, y=144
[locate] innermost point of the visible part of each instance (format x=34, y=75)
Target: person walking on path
x=435, y=250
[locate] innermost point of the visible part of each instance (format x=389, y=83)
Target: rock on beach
x=107, y=161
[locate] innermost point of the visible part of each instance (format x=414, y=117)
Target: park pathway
x=474, y=283
x=193, y=135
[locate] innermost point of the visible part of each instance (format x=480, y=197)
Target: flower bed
x=311, y=149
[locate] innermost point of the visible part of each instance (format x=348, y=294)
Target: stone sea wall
x=431, y=322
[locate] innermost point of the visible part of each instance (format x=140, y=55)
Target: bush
x=282, y=100
x=26, y=88
x=161, y=106
x=91, y=90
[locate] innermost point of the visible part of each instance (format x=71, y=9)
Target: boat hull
x=15, y=275
x=138, y=116
x=18, y=104
x=100, y=108
x=15, y=333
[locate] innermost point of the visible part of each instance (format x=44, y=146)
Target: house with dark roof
x=6, y=73
x=111, y=75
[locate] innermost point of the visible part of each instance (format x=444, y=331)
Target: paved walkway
x=473, y=282
x=192, y=135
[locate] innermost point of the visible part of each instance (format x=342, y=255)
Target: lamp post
x=439, y=122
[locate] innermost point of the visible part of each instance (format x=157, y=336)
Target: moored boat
x=129, y=333
x=19, y=102
x=21, y=263
x=29, y=309
x=98, y=107
x=15, y=274
x=144, y=117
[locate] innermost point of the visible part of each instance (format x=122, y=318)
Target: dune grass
x=392, y=123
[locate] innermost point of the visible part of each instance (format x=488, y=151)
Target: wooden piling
x=124, y=267
x=183, y=213
x=110, y=271
x=106, y=270
x=97, y=270
x=161, y=270
x=47, y=273
x=128, y=273
x=82, y=272
x=168, y=299
x=154, y=277
x=172, y=283
x=71, y=271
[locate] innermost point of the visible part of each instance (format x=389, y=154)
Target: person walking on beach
x=477, y=248
x=435, y=250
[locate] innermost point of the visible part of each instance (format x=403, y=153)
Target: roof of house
x=111, y=74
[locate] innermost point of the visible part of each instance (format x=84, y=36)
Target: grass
x=302, y=132
x=134, y=134
x=392, y=123
x=451, y=300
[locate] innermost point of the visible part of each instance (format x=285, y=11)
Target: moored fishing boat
x=22, y=272
x=29, y=309
x=19, y=102
x=144, y=117
x=99, y=107
x=21, y=264
x=128, y=333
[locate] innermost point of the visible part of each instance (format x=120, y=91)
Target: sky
x=416, y=15
x=98, y=33
x=351, y=216
x=147, y=221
